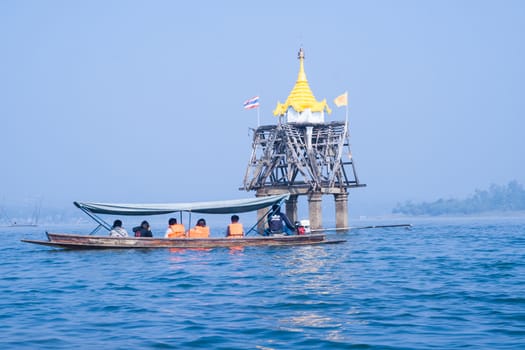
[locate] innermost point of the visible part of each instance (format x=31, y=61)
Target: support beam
x=291, y=208
x=315, y=210
x=341, y=210
x=261, y=226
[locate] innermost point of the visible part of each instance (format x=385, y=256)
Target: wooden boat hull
x=72, y=241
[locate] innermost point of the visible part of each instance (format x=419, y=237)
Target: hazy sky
x=142, y=100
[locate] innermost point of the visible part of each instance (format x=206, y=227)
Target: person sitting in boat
x=278, y=222
x=143, y=230
x=200, y=230
x=174, y=230
x=235, y=229
x=117, y=230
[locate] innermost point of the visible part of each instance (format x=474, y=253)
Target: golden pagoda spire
x=301, y=96
x=302, y=74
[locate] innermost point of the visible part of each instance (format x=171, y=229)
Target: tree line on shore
x=510, y=197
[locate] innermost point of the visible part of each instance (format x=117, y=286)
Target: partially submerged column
x=291, y=208
x=261, y=226
x=341, y=210
x=315, y=210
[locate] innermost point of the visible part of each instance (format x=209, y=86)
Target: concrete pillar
x=315, y=210
x=261, y=226
x=341, y=210
x=291, y=208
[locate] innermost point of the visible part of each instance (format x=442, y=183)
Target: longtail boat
x=92, y=241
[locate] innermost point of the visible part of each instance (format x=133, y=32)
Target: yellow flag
x=341, y=100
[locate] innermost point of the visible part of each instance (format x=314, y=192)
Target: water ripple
x=438, y=286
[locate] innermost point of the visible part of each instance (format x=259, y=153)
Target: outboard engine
x=299, y=228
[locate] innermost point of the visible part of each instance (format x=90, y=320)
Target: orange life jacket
x=177, y=231
x=199, y=232
x=235, y=230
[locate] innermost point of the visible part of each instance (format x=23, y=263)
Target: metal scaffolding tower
x=303, y=159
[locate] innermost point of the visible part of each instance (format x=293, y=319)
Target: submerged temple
x=303, y=155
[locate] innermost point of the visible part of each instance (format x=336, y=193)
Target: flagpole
x=258, y=117
x=345, y=132
x=346, y=118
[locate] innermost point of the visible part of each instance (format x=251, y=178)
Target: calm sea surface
x=444, y=284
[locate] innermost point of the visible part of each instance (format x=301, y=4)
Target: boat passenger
x=174, y=230
x=143, y=230
x=235, y=229
x=278, y=222
x=117, y=230
x=200, y=230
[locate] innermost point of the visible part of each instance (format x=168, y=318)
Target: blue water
x=447, y=284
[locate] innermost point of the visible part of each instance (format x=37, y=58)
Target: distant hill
x=510, y=197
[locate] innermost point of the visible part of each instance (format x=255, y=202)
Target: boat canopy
x=214, y=207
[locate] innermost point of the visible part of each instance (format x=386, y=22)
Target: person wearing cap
x=278, y=222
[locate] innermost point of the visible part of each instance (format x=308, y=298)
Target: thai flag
x=251, y=103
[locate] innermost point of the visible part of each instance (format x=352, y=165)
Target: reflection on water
x=318, y=281
x=236, y=250
x=312, y=320
x=317, y=271
x=177, y=250
x=306, y=260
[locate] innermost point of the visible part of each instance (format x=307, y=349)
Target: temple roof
x=301, y=97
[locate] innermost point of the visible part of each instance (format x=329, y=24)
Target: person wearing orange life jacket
x=235, y=229
x=174, y=230
x=200, y=230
